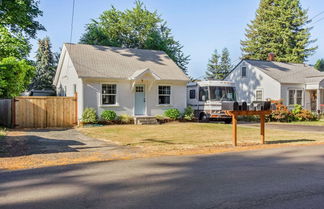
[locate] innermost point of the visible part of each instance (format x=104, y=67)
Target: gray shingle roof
x=91, y=61
x=286, y=72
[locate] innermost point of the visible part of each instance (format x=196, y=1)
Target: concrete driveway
x=276, y=178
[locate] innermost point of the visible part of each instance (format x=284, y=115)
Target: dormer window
x=243, y=71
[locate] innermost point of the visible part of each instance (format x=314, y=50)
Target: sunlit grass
x=173, y=136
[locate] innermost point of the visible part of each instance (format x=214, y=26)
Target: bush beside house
x=283, y=114
x=89, y=116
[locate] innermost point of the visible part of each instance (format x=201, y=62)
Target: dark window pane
x=164, y=99
x=203, y=92
x=108, y=99
x=192, y=94
x=243, y=71
x=165, y=90
x=219, y=93
x=291, y=97
x=109, y=88
x=139, y=88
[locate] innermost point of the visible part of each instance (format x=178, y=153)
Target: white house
x=293, y=83
x=129, y=81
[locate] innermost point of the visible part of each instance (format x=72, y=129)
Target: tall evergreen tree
x=45, y=65
x=320, y=65
x=219, y=65
x=135, y=28
x=213, y=67
x=226, y=63
x=280, y=27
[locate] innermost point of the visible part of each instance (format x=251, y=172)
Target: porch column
x=318, y=100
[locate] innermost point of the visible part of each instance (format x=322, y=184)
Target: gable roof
x=92, y=61
x=286, y=72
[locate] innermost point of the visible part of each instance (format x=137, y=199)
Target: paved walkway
x=266, y=179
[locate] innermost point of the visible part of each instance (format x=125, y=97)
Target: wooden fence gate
x=45, y=111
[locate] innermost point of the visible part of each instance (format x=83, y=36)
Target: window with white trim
x=258, y=95
x=243, y=71
x=108, y=94
x=164, y=95
x=295, y=97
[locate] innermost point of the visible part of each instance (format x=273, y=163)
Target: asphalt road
x=277, y=178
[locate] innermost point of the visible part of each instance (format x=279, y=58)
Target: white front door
x=139, y=100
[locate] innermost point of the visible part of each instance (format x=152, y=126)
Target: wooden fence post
x=76, y=107
x=262, y=121
x=234, y=130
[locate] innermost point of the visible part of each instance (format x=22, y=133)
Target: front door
x=139, y=100
x=313, y=99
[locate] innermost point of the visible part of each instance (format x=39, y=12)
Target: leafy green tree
x=320, y=65
x=45, y=65
x=18, y=25
x=219, y=65
x=16, y=46
x=280, y=27
x=15, y=76
x=19, y=16
x=135, y=28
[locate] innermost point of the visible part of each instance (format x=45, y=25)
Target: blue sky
x=200, y=26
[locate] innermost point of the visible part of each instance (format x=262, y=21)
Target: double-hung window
x=258, y=95
x=295, y=97
x=108, y=94
x=164, y=95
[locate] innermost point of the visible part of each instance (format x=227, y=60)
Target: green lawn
x=184, y=136
x=309, y=123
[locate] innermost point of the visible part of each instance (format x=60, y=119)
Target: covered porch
x=314, y=94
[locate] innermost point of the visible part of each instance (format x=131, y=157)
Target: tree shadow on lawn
x=13, y=146
x=257, y=179
x=290, y=141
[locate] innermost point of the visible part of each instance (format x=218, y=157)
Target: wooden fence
x=45, y=112
x=6, y=112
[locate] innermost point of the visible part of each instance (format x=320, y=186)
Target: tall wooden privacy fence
x=44, y=112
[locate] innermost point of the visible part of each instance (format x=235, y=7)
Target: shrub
x=89, y=115
x=281, y=114
x=108, y=115
x=162, y=119
x=172, y=113
x=126, y=119
x=249, y=118
x=297, y=109
x=188, y=113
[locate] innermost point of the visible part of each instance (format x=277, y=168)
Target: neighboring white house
x=129, y=81
x=293, y=83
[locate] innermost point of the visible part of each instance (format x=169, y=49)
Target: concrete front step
x=145, y=120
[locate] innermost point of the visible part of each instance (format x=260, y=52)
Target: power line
x=72, y=21
x=317, y=21
x=322, y=12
